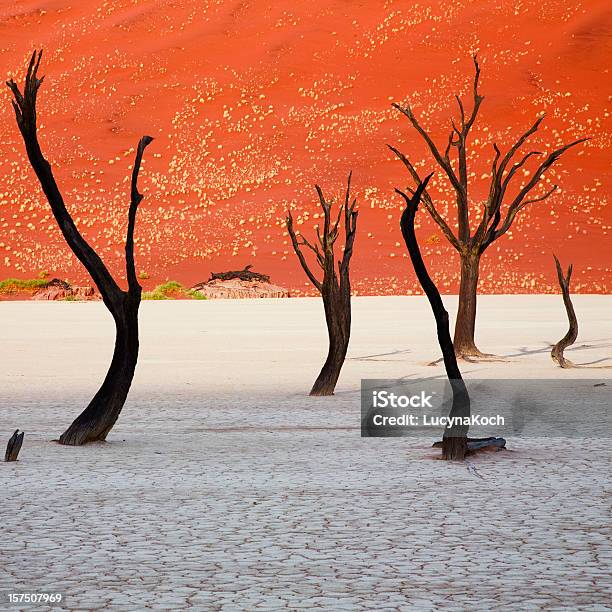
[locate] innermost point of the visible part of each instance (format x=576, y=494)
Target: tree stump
x=14, y=446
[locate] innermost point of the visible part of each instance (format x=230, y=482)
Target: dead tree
x=245, y=275
x=498, y=211
x=102, y=412
x=454, y=441
x=14, y=446
x=572, y=332
x=335, y=288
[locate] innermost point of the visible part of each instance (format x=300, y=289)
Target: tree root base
x=78, y=435
x=459, y=448
x=564, y=363
x=473, y=358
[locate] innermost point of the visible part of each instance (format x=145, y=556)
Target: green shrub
x=13, y=285
x=171, y=290
x=195, y=295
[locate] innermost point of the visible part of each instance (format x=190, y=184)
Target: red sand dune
x=251, y=103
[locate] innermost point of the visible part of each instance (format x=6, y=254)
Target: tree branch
x=442, y=162
x=477, y=98
x=298, y=252
x=135, y=199
x=427, y=201
x=496, y=195
x=461, y=146
x=549, y=161
x=492, y=233
x=518, y=144
x=515, y=168
x=350, y=228
x=513, y=210
x=325, y=240
x=497, y=191
x=313, y=248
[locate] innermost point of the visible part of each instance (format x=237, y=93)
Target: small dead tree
x=245, y=275
x=335, y=288
x=572, y=332
x=102, y=412
x=498, y=211
x=454, y=441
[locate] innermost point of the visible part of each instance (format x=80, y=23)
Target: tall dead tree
x=102, y=412
x=572, y=332
x=454, y=441
x=498, y=211
x=335, y=288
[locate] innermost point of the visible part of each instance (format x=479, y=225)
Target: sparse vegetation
x=195, y=295
x=15, y=285
x=172, y=290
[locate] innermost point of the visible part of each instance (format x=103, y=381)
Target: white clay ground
x=224, y=487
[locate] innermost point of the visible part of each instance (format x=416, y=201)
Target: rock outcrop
x=57, y=289
x=238, y=285
x=239, y=289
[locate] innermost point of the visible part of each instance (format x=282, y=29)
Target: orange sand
x=251, y=105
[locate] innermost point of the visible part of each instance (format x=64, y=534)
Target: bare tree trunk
x=454, y=440
x=94, y=423
x=572, y=332
x=102, y=412
x=465, y=324
x=335, y=287
x=338, y=318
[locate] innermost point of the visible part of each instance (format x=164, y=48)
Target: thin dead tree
x=335, y=288
x=102, y=412
x=572, y=332
x=498, y=211
x=454, y=441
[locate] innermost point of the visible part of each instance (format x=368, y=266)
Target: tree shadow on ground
x=374, y=357
x=603, y=344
